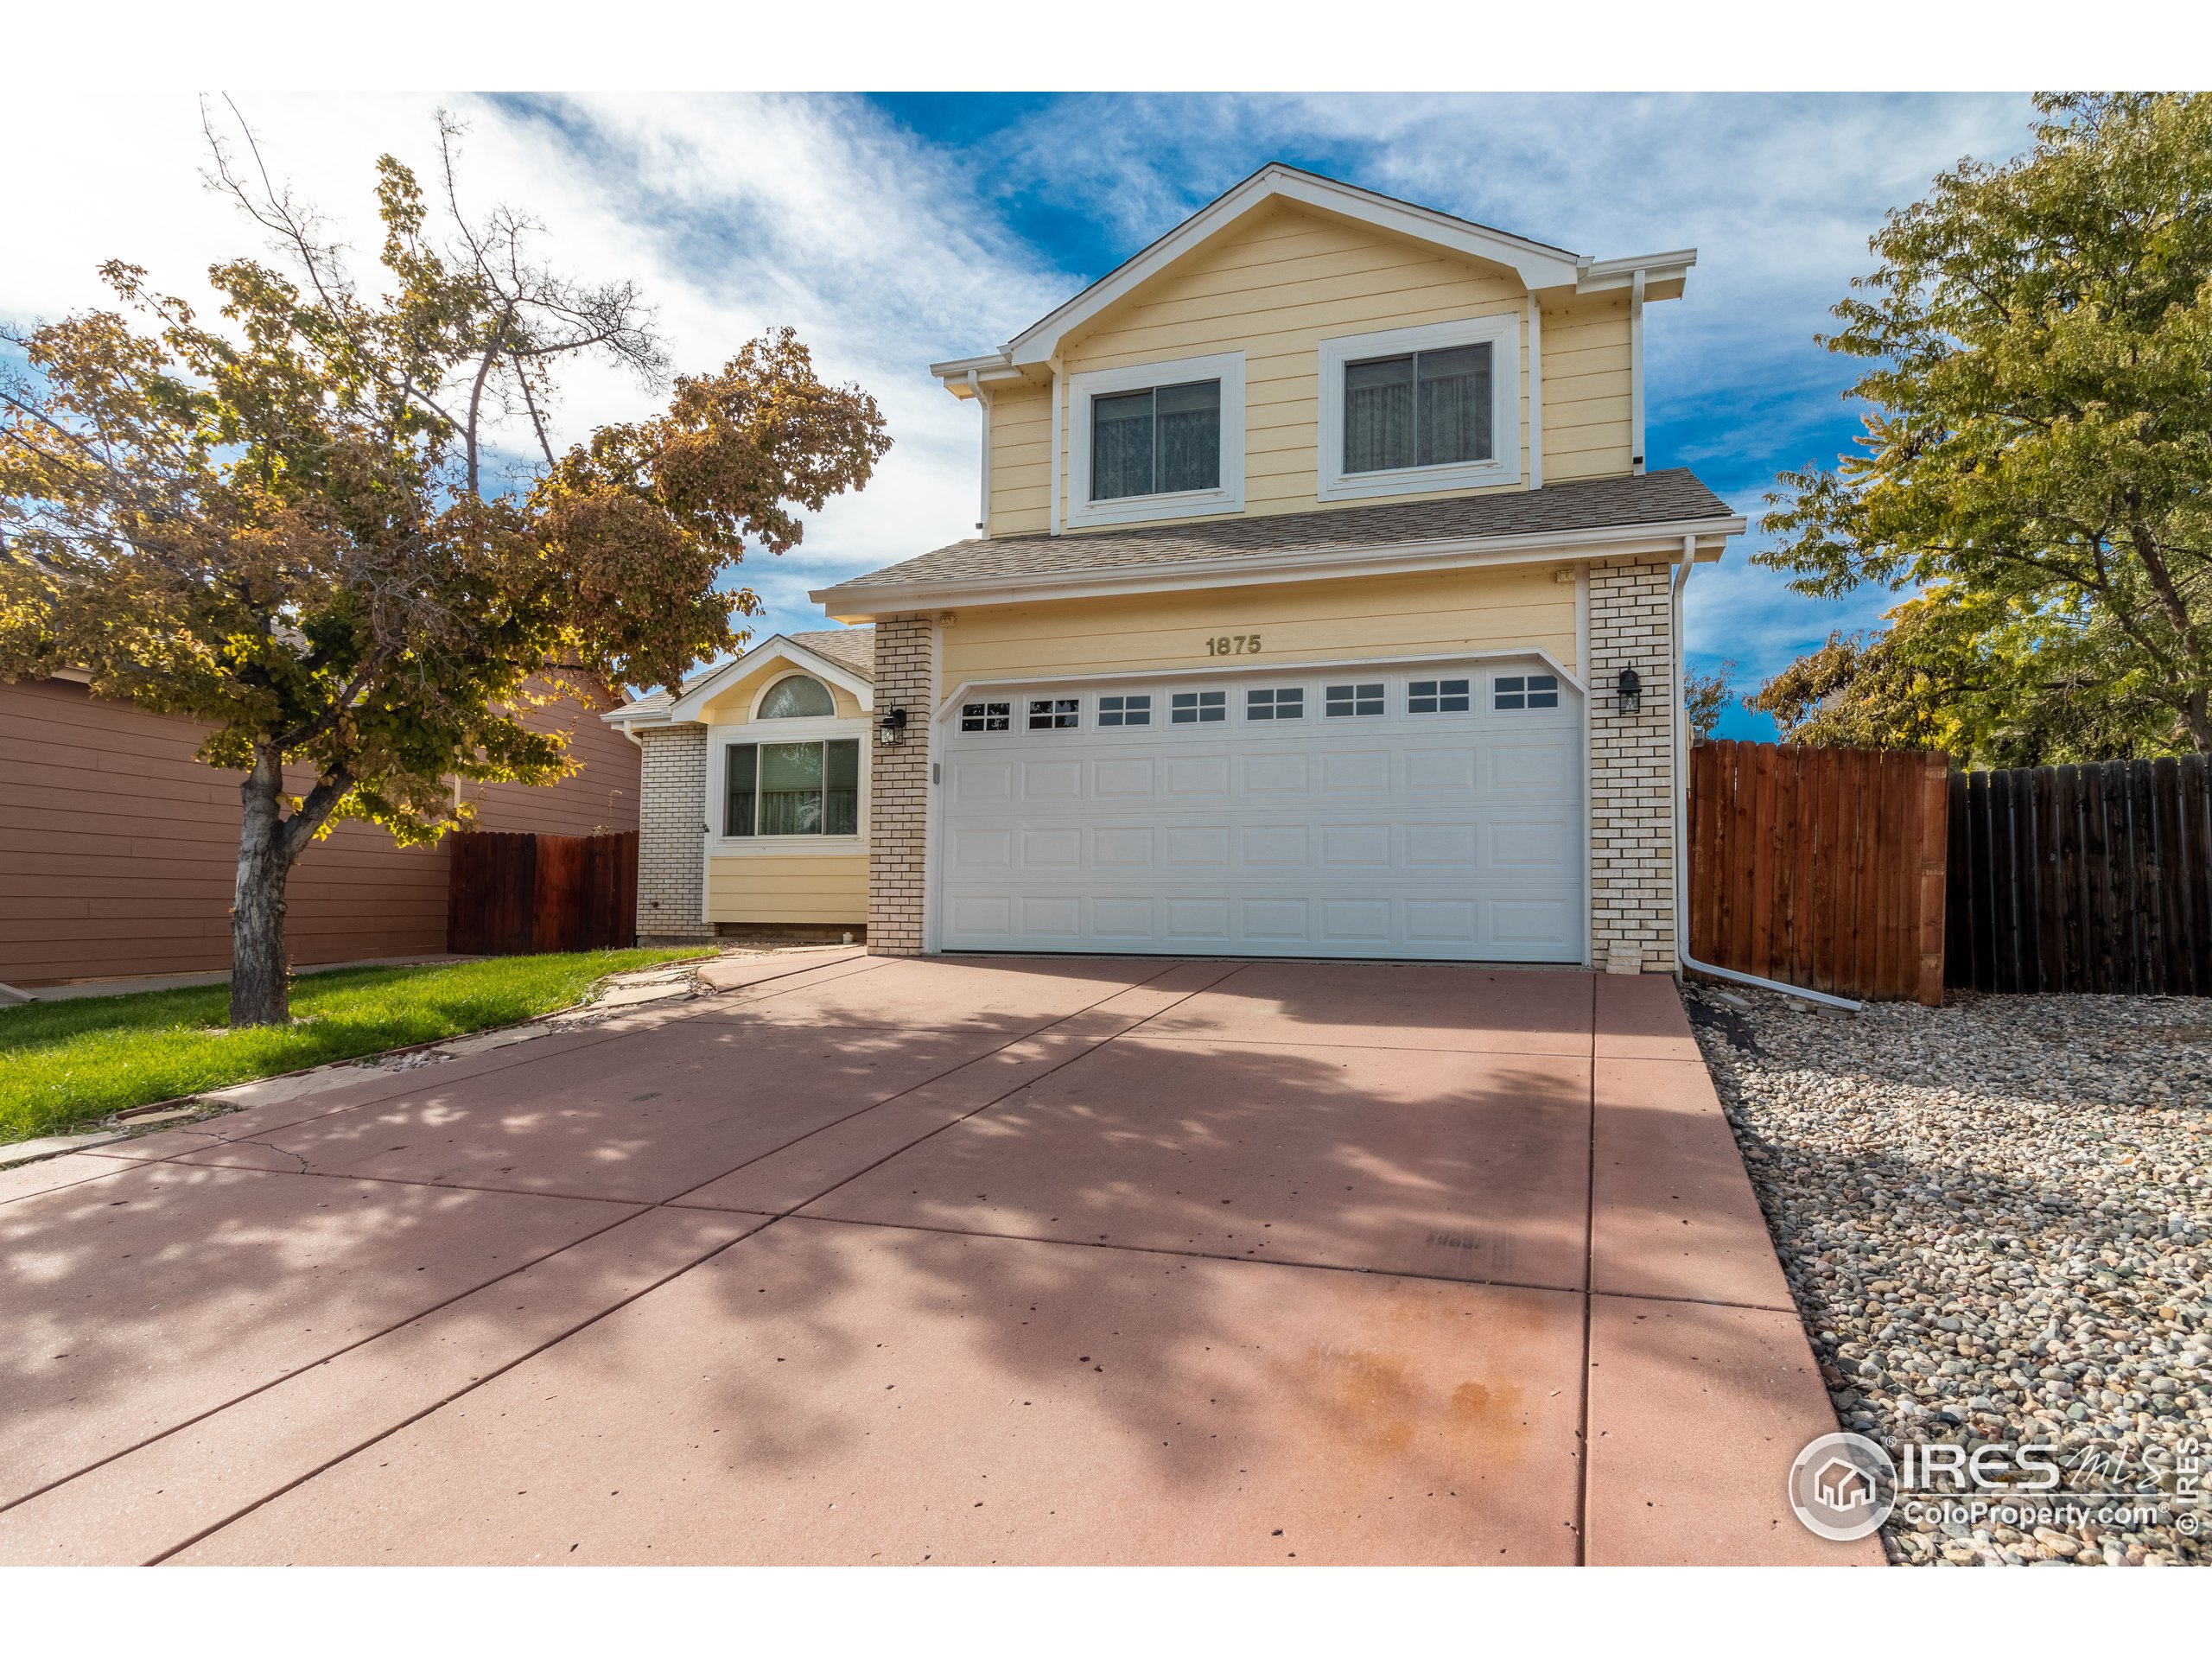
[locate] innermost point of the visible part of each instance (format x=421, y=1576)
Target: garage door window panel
x=1275, y=702
x=1359, y=701
x=1437, y=698
x=1197, y=707
x=1055, y=714
x=986, y=717
x=1126, y=709
x=1517, y=692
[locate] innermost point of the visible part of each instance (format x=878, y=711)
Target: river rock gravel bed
x=1996, y=1218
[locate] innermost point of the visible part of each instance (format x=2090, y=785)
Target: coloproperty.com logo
x=1844, y=1486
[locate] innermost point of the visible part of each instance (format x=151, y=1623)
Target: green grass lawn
x=62, y=1063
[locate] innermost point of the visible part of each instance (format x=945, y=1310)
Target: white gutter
x=1687, y=963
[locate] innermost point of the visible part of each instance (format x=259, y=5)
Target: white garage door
x=1432, y=812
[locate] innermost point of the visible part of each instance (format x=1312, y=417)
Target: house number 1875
x=1232, y=645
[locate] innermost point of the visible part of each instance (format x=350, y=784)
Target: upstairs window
x=1162, y=440
x=792, y=789
x=1423, y=408
x=799, y=697
x=1420, y=411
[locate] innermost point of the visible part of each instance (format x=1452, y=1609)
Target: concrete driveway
x=959, y=1261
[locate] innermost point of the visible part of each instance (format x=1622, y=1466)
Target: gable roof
x=1539, y=265
x=1562, y=521
x=845, y=656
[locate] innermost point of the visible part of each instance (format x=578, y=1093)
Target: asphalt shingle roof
x=852, y=649
x=1667, y=496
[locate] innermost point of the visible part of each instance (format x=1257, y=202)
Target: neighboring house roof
x=1539, y=266
x=845, y=653
x=1578, y=515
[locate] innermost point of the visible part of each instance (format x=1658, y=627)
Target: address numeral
x=1233, y=645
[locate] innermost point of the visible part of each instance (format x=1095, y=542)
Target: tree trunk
x=260, y=973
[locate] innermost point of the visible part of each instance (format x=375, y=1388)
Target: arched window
x=797, y=698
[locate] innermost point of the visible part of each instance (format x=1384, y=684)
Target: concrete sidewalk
x=1042, y=1261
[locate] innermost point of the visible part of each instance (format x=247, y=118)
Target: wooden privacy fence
x=511, y=895
x=2094, y=878
x=1820, y=867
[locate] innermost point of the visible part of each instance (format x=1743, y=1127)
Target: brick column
x=1631, y=772
x=671, y=846
x=899, y=786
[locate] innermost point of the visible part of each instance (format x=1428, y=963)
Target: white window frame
x=1228, y=367
x=1501, y=332
x=808, y=729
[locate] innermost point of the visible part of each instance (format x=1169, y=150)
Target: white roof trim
x=1305, y=565
x=1537, y=265
x=685, y=709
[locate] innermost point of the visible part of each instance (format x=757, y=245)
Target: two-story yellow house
x=1322, y=606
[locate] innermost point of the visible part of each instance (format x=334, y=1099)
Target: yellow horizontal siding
x=1391, y=616
x=1274, y=288
x=804, y=887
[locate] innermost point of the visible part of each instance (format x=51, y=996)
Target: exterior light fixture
x=1631, y=691
x=891, y=727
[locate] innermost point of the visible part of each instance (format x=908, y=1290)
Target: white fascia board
x=1399, y=559
x=687, y=706
x=627, y=716
x=993, y=370
x=1536, y=264
x=1601, y=276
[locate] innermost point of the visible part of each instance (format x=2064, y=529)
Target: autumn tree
x=285, y=520
x=2037, y=457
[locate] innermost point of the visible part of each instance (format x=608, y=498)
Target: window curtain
x=1120, y=446
x=791, y=789
x=1455, y=405
x=1188, y=421
x=1379, y=414
x=1428, y=409
x=841, y=797
x=738, y=773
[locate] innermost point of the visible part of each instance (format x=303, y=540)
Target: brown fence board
x=2086, y=879
x=1822, y=867
x=516, y=894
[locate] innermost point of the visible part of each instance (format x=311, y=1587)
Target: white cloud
x=887, y=252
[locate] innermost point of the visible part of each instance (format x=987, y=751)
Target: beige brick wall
x=671, y=841
x=898, y=787
x=1632, y=770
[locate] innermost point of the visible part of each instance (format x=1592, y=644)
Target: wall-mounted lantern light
x=891, y=727
x=1631, y=691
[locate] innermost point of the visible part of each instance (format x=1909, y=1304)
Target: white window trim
x=1228, y=367
x=1502, y=333
x=814, y=728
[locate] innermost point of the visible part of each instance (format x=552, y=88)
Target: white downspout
x=983, y=402
x=1687, y=963
x=1636, y=373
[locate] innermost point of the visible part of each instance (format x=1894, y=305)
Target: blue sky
x=894, y=231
